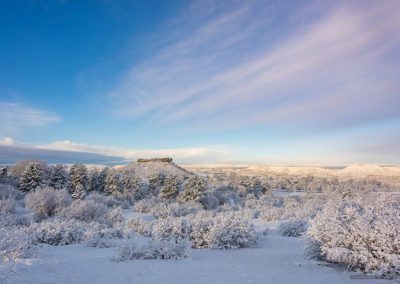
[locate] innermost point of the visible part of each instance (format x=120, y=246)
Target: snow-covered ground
x=276, y=259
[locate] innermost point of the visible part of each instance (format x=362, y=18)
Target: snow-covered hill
x=368, y=170
x=146, y=169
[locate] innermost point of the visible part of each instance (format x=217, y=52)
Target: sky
x=273, y=82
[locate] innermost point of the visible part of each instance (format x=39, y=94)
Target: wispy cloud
x=16, y=117
x=328, y=67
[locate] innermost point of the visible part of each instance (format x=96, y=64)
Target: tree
x=95, y=181
x=57, y=177
x=170, y=189
x=78, y=178
x=32, y=177
x=194, y=190
x=156, y=181
x=132, y=186
x=113, y=183
x=102, y=179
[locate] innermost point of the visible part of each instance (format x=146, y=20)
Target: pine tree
x=95, y=182
x=57, y=176
x=156, y=181
x=32, y=177
x=170, y=189
x=194, y=190
x=132, y=186
x=113, y=183
x=102, y=179
x=78, y=178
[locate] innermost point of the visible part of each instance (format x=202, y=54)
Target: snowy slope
x=275, y=260
x=145, y=169
x=368, y=170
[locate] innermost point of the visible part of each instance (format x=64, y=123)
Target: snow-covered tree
x=57, y=177
x=170, y=189
x=194, y=189
x=156, y=181
x=32, y=177
x=113, y=183
x=132, y=186
x=102, y=179
x=78, y=178
x=94, y=181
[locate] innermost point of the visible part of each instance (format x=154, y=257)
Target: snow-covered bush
x=108, y=201
x=14, y=244
x=292, y=228
x=47, y=202
x=145, y=205
x=226, y=195
x=139, y=226
x=153, y=249
x=8, y=220
x=271, y=214
x=171, y=228
x=174, y=209
x=103, y=237
x=86, y=211
x=56, y=232
x=206, y=230
x=360, y=235
x=209, y=201
x=7, y=206
x=7, y=191
x=230, y=232
x=115, y=216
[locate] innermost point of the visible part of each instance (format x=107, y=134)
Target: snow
x=276, y=259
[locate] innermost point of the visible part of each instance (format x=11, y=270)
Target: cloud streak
x=100, y=153
x=16, y=117
x=330, y=67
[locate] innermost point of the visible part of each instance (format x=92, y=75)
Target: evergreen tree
x=57, y=176
x=132, y=186
x=32, y=177
x=102, y=179
x=95, y=182
x=156, y=181
x=170, y=189
x=113, y=183
x=78, y=178
x=194, y=190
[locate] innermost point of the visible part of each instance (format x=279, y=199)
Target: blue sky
x=276, y=82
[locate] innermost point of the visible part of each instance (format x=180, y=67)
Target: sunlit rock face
x=164, y=160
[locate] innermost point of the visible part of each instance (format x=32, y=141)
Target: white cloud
x=225, y=72
x=16, y=117
x=180, y=154
x=6, y=141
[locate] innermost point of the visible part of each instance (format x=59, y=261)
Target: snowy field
x=276, y=259
x=160, y=223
